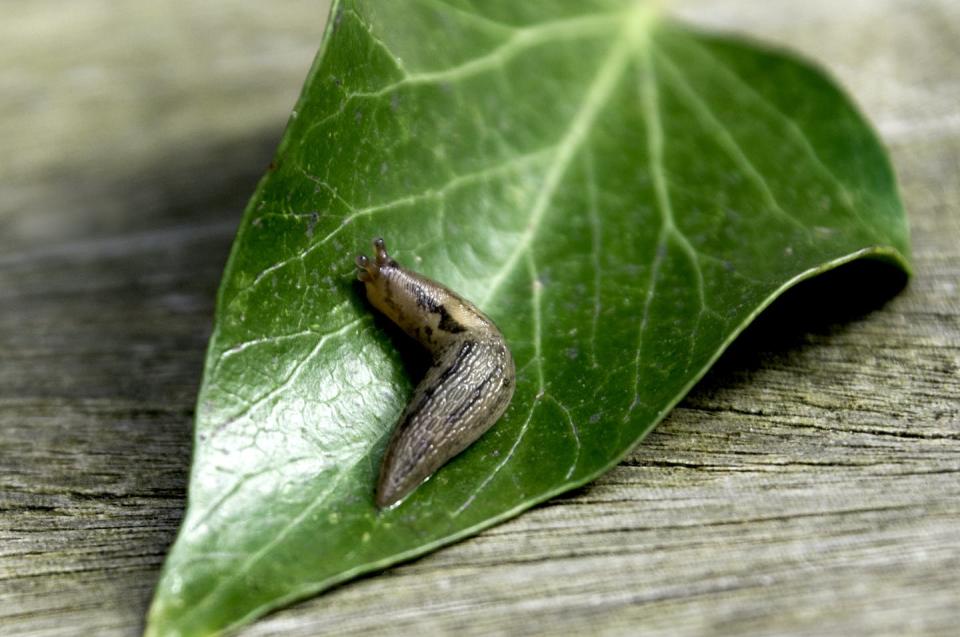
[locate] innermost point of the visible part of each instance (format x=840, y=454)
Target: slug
x=465, y=390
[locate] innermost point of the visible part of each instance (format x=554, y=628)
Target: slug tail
x=462, y=395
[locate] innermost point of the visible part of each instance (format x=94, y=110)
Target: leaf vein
x=575, y=432
x=593, y=216
x=255, y=557
x=596, y=95
x=291, y=377
x=729, y=144
x=485, y=173
x=522, y=39
x=793, y=129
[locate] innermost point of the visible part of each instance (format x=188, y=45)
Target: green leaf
x=622, y=195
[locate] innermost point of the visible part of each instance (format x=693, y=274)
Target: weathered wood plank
x=810, y=485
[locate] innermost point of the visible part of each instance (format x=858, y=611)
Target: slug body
x=466, y=389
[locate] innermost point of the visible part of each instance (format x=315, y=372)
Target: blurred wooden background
x=810, y=485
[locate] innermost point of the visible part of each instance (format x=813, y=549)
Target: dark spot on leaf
x=312, y=223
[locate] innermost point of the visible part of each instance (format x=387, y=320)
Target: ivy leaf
x=621, y=194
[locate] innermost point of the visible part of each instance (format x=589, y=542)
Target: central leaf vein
x=597, y=95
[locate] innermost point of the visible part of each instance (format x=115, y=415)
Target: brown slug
x=467, y=387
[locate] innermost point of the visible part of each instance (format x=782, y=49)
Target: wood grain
x=810, y=485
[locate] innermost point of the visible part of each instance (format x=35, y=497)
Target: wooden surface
x=809, y=486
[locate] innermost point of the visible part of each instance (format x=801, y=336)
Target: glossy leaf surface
x=620, y=194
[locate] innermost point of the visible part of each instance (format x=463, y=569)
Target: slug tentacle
x=466, y=389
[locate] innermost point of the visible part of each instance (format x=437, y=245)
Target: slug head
x=369, y=271
x=378, y=275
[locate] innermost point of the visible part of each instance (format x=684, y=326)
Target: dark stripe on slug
x=424, y=398
x=424, y=299
x=388, y=296
x=454, y=370
x=476, y=396
x=448, y=323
